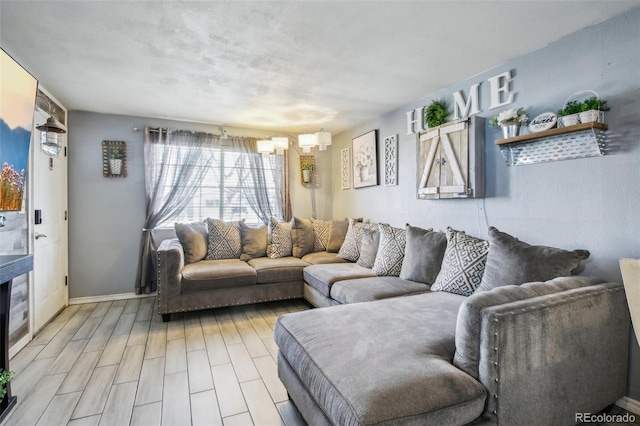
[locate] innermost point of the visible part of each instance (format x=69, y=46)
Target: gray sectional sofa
x=416, y=327
x=384, y=350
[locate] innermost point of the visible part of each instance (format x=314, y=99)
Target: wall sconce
x=51, y=131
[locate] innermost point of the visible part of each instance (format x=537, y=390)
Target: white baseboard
x=107, y=298
x=13, y=350
x=629, y=404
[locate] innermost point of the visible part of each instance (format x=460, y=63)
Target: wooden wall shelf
x=563, y=143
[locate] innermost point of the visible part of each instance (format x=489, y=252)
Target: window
x=220, y=196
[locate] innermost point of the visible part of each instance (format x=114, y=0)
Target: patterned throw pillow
x=321, y=232
x=463, y=264
x=350, y=249
x=224, y=240
x=280, y=244
x=390, y=250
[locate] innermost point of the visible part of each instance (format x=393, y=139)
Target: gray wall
x=106, y=214
x=587, y=203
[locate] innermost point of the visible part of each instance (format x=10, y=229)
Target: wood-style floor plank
x=119, y=406
x=151, y=381
x=60, y=409
x=147, y=415
x=230, y=400
x=262, y=409
x=204, y=409
x=96, y=392
x=199, y=371
x=29, y=410
x=176, y=404
x=80, y=374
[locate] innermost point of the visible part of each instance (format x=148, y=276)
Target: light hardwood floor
x=117, y=363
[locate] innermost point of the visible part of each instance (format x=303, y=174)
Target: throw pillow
x=279, y=239
x=321, y=234
x=301, y=237
x=390, y=251
x=350, y=249
x=423, y=254
x=193, y=237
x=511, y=261
x=224, y=240
x=338, y=232
x=463, y=264
x=369, y=247
x=254, y=241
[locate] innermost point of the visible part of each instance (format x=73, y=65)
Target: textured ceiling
x=290, y=66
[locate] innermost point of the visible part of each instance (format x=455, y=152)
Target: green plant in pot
x=593, y=109
x=436, y=113
x=569, y=113
x=5, y=378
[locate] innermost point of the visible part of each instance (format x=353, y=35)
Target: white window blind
x=220, y=196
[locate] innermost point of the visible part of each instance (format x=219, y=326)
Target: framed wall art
x=365, y=160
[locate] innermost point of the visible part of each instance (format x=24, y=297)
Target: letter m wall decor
x=451, y=160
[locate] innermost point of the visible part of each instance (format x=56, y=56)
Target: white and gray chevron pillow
x=463, y=264
x=321, y=233
x=224, y=240
x=390, y=251
x=350, y=249
x=280, y=243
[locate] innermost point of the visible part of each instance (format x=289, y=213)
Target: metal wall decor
x=391, y=160
x=114, y=159
x=345, y=168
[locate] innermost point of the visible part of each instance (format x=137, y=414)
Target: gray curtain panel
x=162, y=147
x=254, y=183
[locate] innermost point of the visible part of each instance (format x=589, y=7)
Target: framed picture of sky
x=17, y=102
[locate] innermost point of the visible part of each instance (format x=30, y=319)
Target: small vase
x=306, y=176
x=364, y=173
x=115, y=165
x=510, y=130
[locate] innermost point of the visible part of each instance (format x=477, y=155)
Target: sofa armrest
x=549, y=357
x=170, y=265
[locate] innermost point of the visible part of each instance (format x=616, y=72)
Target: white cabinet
x=451, y=160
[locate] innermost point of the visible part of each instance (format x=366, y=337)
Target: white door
x=50, y=258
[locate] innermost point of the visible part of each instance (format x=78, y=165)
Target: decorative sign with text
x=501, y=95
x=544, y=121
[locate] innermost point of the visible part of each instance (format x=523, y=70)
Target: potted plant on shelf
x=307, y=172
x=436, y=113
x=116, y=158
x=510, y=121
x=569, y=114
x=593, y=110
